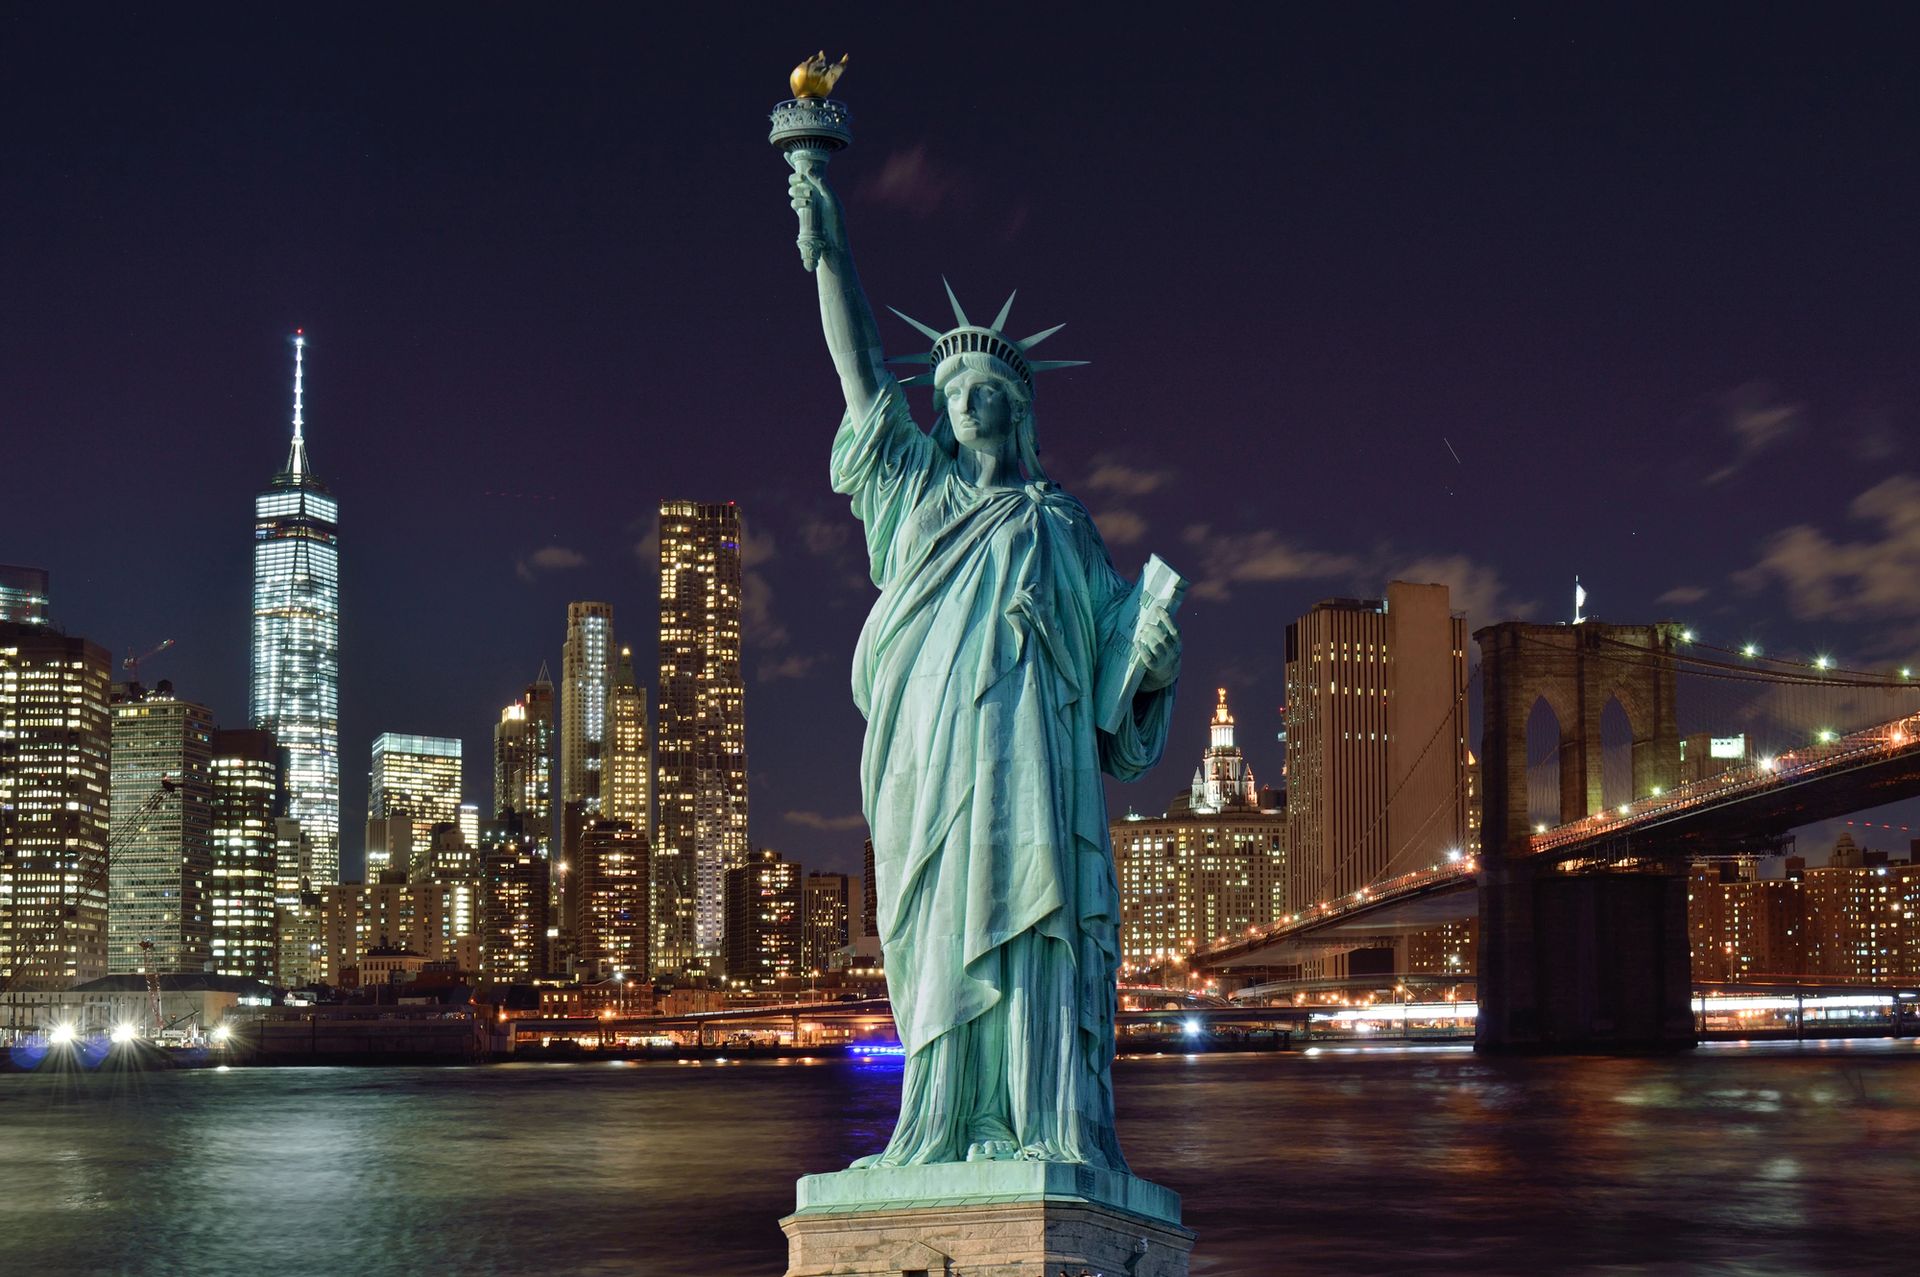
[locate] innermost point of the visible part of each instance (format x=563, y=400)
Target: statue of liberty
x=1004, y=667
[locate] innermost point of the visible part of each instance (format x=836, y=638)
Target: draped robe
x=980, y=776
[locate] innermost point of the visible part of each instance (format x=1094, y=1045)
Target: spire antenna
x=297, y=456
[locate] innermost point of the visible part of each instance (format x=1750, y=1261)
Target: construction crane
x=27, y=947
x=132, y=663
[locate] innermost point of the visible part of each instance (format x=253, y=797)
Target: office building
x=24, y=595
x=1376, y=741
x=159, y=914
x=700, y=745
x=293, y=860
x=1211, y=867
x=295, y=691
x=55, y=770
x=765, y=916
x=628, y=794
x=415, y=777
x=586, y=675
x=436, y=920
x=832, y=908
x=248, y=798
x=523, y=761
x=614, y=904
x=513, y=937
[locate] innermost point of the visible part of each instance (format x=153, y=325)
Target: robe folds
x=981, y=781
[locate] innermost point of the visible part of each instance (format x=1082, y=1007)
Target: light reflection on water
x=1775, y=1159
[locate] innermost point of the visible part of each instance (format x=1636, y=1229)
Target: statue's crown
x=989, y=339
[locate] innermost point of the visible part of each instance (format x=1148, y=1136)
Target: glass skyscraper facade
x=296, y=637
x=416, y=779
x=158, y=911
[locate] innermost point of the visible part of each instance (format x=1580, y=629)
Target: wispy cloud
x=832, y=824
x=1114, y=478
x=758, y=625
x=1473, y=588
x=913, y=181
x=1228, y=559
x=548, y=558
x=1757, y=419
x=793, y=665
x=1683, y=595
x=1121, y=527
x=1868, y=580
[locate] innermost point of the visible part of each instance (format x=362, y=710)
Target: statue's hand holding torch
x=809, y=129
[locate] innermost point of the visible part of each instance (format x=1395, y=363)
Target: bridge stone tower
x=1592, y=960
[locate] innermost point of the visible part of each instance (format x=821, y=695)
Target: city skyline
x=500, y=461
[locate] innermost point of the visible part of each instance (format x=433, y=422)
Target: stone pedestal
x=985, y=1219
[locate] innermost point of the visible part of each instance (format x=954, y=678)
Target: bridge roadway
x=1738, y=810
x=874, y=1012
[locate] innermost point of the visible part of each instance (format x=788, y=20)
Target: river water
x=1731, y=1160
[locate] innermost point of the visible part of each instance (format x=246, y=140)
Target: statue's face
x=981, y=411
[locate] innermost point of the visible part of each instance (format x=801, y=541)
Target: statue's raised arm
x=853, y=339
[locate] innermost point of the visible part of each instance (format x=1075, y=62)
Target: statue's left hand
x=1157, y=643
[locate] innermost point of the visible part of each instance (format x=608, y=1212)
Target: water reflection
x=1774, y=1159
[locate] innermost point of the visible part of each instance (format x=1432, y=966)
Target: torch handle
x=809, y=162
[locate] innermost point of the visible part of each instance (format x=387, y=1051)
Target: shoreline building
x=628, y=793
x=1212, y=866
x=614, y=893
x=516, y=884
x=765, y=920
x=413, y=786
x=700, y=745
x=248, y=797
x=523, y=763
x=55, y=775
x=159, y=915
x=586, y=675
x=1377, y=760
x=295, y=683
x=830, y=914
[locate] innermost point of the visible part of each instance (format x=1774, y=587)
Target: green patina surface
x=982, y=1184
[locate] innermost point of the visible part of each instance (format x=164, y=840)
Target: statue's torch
x=809, y=128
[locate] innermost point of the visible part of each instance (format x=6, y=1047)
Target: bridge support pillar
x=1578, y=963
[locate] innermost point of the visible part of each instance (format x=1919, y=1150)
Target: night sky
x=1487, y=295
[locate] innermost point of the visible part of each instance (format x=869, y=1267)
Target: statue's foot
x=993, y=1151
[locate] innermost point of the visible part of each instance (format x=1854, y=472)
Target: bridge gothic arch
x=1577, y=670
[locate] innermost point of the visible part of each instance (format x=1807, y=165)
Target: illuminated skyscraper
x=613, y=899
x=586, y=675
x=23, y=594
x=523, y=763
x=1212, y=866
x=416, y=778
x=159, y=913
x=1377, y=760
x=54, y=775
x=830, y=914
x=513, y=937
x=296, y=637
x=629, y=777
x=700, y=748
x=248, y=796
x=765, y=910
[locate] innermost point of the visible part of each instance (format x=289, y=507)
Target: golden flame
x=816, y=77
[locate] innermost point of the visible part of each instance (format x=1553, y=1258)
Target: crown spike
x=1048, y=365
x=959, y=316
x=1038, y=337
x=932, y=333
x=1000, y=320
x=918, y=379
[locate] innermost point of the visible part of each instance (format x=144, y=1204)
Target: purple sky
x=1649, y=274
